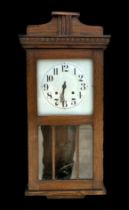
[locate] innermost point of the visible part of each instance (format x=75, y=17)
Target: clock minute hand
x=64, y=86
x=62, y=93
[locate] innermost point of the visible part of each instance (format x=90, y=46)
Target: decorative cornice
x=64, y=41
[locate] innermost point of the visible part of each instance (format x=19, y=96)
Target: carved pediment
x=65, y=24
x=64, y=30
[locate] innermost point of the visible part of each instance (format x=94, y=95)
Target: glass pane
x=65, y=152
x=85, y=150
x=65, y=148
x=65, y=87
x=45, y=154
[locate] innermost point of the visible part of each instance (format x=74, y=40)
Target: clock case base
x=69, y=194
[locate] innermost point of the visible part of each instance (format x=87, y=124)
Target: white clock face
x=64, y=87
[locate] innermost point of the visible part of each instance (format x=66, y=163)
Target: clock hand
x=64, y=86
x=62, y=93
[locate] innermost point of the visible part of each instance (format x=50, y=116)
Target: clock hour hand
x=62, y=100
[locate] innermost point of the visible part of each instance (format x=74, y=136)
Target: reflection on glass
x=65, y=152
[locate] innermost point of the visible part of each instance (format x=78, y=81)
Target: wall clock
x=65, y=107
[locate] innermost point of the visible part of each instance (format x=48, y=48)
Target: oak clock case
x=65, y=107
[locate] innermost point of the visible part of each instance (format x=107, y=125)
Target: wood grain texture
x=65, y=23
x=67, y=194
x=64, y=31
x=64, y=37
x=69, y=42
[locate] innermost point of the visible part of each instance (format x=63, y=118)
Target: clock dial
x=64, y=85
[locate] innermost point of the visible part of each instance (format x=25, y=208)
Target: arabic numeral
x=80, y=94
x=45, y=87
x=56, y=101
x=65, y=104
x=80, y=78
x=65, y=68
x=73, y=102
x=49, y=95
x=83, y=86
x=55, y=71
x=49, y=78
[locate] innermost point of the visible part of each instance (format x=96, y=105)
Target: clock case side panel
x=98, y=120
x=32, y=126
